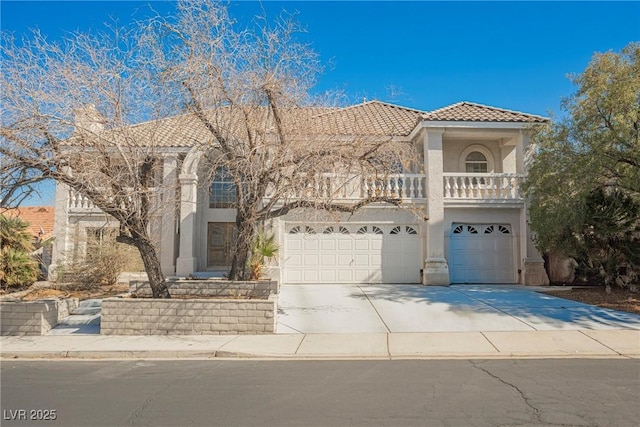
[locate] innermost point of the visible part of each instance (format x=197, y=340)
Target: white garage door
x=481, y=253
x=351, y=253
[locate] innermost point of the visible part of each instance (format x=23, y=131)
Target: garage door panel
x=310, y=244
x=327, y=244
x=344, y=276
x=310, y=275
x=360, y=260
x=328, y=260
x=340, y=257
x=328, y=276
x=294, y=244
x=295, y=260
x=485, y=257
x=344, y=260
x=345, y=245
x=362, y=245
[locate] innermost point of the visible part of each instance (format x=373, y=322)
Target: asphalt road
x=568, y=392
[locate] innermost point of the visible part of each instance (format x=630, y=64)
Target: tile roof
x=40, y=219
x=371, y=118
x=472, y=112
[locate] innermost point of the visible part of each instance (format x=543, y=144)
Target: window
x=476, y=162
x=411, y=230
x=223, y=190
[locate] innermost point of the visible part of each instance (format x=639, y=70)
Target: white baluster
x=413, y=187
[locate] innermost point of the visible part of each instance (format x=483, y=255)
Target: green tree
x=584, y=180
x=17, y=267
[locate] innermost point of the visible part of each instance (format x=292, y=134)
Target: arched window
x=476, y=162
x=223, y=192
x=476, y=158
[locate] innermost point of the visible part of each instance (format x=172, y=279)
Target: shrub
x=264, y=246
x=104, y=261
x=17, y=266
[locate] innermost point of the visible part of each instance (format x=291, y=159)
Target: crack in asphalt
x=536, y=412
x=138, y=413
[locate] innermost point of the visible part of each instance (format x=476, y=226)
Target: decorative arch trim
x=480, y=149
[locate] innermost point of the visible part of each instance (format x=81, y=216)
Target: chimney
x=89, y=119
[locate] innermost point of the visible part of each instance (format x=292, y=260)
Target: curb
x=209, y=355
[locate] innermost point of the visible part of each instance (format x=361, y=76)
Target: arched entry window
x=223, y=192
x=476, y=162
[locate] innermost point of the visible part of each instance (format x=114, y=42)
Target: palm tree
x=17, y=267
x=14, y=234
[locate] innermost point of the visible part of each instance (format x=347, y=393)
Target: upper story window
x=476, y=162
x=476, y=158
x=223, y=192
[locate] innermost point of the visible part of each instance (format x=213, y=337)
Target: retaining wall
x=144, y=316
x=33, y=317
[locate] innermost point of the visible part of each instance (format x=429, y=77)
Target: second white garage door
x=481, y=253
x=351, y=253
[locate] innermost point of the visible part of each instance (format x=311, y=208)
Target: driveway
x=416, y=308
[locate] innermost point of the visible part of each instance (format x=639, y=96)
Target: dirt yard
x=618, y=299
x=40, y=290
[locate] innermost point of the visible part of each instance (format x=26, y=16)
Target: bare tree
x=67, y=111
x=252, y=90
x=92, y=113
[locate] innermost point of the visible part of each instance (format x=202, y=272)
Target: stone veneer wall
x=210, y=288
x=33, y=317
x=142, y=316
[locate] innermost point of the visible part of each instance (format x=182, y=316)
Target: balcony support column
x=168, y=212
x=533, y=271
x=436, y=269
x=186, y=262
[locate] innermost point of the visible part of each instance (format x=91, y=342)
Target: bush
x=17, y=266
x=103, y=263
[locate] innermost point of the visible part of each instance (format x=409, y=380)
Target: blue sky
x=424, y=55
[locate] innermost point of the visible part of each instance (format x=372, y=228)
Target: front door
x=220, y=236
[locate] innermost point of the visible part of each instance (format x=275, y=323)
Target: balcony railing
x=482, y=186
x=405, y=187
x=78, y=201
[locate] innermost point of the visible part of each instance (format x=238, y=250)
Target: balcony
x=79, y=202
x=405, y=187
x=474, y=187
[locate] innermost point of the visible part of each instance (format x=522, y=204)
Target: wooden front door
x=220, y=237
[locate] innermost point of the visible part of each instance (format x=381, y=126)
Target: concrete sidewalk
x=610, y=343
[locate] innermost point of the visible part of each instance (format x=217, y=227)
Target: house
x=463, y=221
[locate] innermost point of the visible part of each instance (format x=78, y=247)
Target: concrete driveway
x=415, y=308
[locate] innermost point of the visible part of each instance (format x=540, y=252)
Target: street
x=569, y=392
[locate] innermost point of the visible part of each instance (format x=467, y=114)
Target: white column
x=60, y=230
x=533, y=272
x=186, y=262
x=436, y=269
x=168, y=212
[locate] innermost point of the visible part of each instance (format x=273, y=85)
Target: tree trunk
x=152, y=266
x=246, y=234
